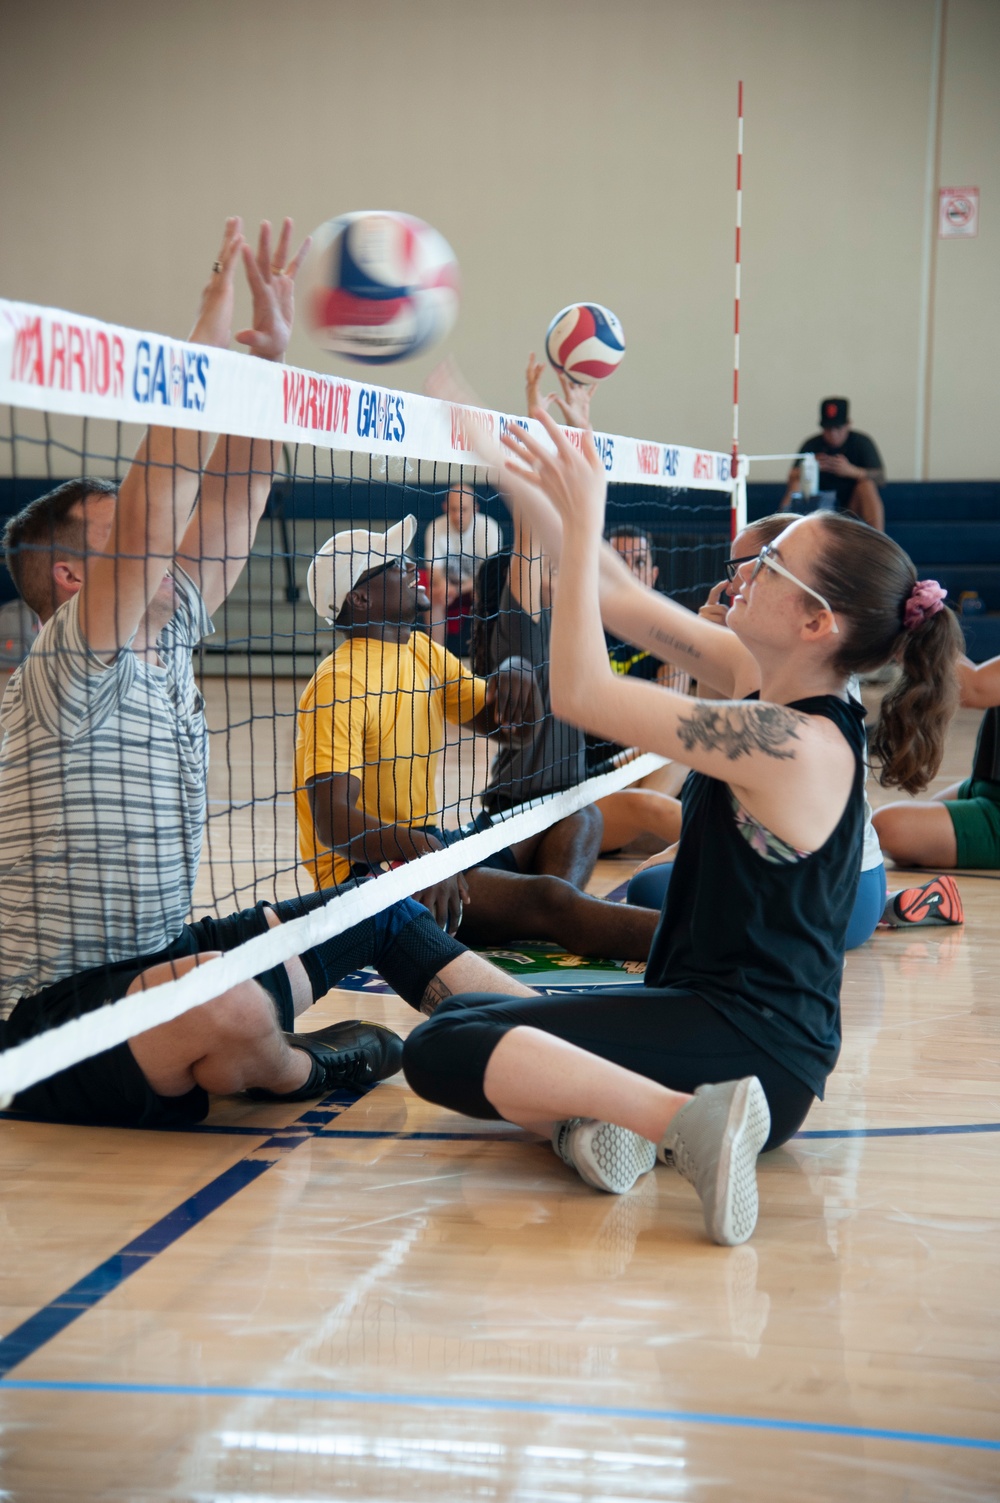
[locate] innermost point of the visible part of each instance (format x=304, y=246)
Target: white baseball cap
x=345, y=557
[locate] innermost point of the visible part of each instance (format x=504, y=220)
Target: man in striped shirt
x=103, y=763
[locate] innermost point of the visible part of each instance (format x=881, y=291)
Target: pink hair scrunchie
x=924, y=601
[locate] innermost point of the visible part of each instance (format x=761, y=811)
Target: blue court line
x=53, y=1318
x=305, y=1126
x=833, y=1132
x=509, y=1406
x=900, y=1132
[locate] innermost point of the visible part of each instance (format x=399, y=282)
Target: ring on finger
x=277, y=271
x=216, y=267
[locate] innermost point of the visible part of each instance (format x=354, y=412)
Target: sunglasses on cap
x=766, y=556
x=402, y=563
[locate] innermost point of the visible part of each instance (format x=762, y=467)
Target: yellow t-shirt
x=377, y=710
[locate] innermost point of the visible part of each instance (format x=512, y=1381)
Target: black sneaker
x=354, y=1054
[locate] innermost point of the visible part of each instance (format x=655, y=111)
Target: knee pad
x=414, y=953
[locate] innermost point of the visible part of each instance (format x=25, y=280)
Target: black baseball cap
x=834, y=412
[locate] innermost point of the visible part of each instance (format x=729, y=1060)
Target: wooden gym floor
x=374, y=1299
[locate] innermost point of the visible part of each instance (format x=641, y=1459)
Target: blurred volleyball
x=586, y=342
x=379, y=286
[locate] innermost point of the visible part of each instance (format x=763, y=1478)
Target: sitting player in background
x=849, y=462
x=960, y=826
x=103, y=767
x=455, y=545
x=368, y=747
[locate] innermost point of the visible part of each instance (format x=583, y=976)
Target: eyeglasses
x=766, y=556
x=733, y=564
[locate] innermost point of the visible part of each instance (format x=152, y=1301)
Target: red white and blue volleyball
x=586, y=342
x=379, y=286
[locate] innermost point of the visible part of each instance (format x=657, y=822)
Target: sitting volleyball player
x=103, y=761
x=723, y=1050
x=368, y=746
x=648, y=886
x=961, y=825
x=930, y=903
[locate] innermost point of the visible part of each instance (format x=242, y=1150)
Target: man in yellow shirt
x=370, y=734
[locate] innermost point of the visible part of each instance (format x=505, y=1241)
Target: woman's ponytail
x=908, y=740
x=894, y=617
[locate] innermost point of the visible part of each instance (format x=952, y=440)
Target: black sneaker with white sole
x=354, y=1054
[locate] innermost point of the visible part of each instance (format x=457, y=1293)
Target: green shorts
x=975, y=813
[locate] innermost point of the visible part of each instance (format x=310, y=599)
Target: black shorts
x=109, y=1089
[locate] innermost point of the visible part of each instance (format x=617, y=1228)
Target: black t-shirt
x=857, y=449
x=631, y=662
x=762, y=940
x=554, y=758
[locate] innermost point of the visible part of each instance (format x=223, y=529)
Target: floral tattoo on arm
x=739, y=731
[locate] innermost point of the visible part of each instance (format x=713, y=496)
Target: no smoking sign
x=958, y=213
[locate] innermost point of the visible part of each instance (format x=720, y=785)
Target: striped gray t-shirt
x=103, y=772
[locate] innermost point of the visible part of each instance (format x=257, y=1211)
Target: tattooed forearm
x=675, y=646
x=738, y=730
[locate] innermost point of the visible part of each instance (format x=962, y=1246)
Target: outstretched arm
x=638, y=615
x=646, y=618
x=239, y=474
x=743, y=744
x=156, y=496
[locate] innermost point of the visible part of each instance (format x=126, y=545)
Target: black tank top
x=760, y=940
x=986, y=762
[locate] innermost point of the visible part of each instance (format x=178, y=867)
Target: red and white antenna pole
x=739, y=249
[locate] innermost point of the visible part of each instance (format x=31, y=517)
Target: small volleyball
x=586, y=342
x=379, y=286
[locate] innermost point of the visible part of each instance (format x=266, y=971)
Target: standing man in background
x=455, y=544
x=850, y=464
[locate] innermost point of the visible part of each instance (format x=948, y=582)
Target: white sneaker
x=605, y=1156
x=714, y=1141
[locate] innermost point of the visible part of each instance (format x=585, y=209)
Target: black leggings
x=670, y=1036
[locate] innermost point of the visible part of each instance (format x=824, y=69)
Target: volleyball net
x=327, y=679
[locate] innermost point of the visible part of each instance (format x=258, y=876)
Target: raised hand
x=572, y=478
x=214, y=323
x=532, y=384
x=272, y=287
x=574, y=404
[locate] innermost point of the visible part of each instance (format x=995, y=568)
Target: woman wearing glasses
x=648, y=887
x=724, y=1049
